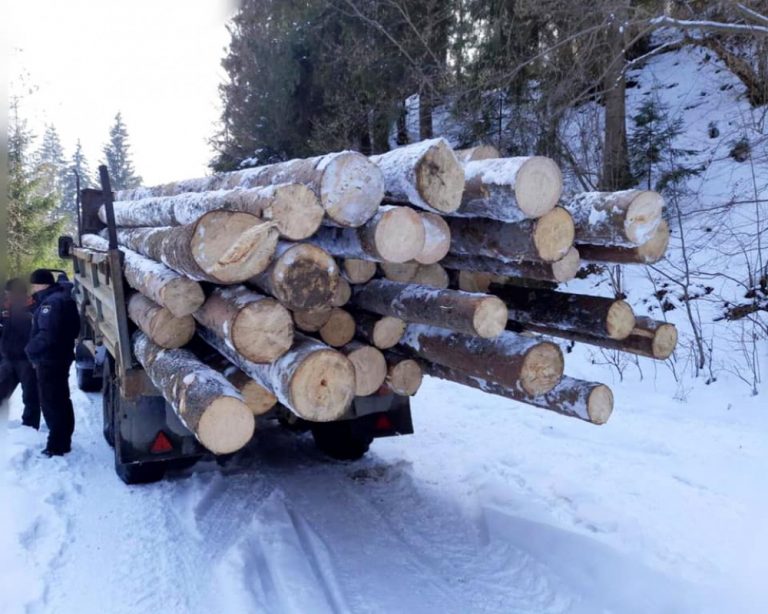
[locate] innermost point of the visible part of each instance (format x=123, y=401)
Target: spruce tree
x=31, y=231
x=77, y=164
x=117, y=157
x=50, y=164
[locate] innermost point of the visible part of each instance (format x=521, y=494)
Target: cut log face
x=382, y=332
x=626, y=218
x=475, y=314
x=311, y=320
x=180, y=295
x=648, y=253
x=400, y=272
x=343, y=293
x=203, y=399
x=426, y=174
x=257, y=327
x=301, y=277
x=511, y=189
x=404, y=375
x=480, y=152
x=159, y=324
x=370, y=367
x=437, y=239
x=339, y=329
x=432, y=276
x=659, y=337
x=548, y=238
x=259, y=399
x=515, y=361
x=358, y=271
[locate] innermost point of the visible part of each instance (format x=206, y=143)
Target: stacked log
x=342, y=276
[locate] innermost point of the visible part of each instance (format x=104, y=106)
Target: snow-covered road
x=490, y=507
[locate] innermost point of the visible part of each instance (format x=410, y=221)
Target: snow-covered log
x=159, y=324
x=394, y=234
x=257, y=327
x=203, y=399
x=482, y=267
x=179, y=294
x=627, y=218
x=293, y=207
x=562, y=313
x=515, y=361
x=301, y=276
x=588, y=401
x=349, y=186
x=384, y=332
x=311, y=380
x=404, y=375
x=370, y=367
x=510, y=189
x=437, y=239
x=480, y=152
x=547, y=238
x=648, y=253
x=426, y=174
x=339, y=329
x=222, y=247
x=358, y=271
x=475, y=314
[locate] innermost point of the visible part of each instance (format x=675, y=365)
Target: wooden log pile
x=320, y=280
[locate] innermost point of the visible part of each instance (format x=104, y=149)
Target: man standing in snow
x=55, y=326
x=15, y=369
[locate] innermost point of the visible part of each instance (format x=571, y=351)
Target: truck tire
x=87, y=380
x=338, y=440
x=140, y=473
x=108, y=391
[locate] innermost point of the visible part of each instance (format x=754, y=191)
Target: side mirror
x=65, y=247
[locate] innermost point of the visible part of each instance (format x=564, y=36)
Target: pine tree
x=117, y=157
x=50, y=164
x=77, y=164
x=31, y=230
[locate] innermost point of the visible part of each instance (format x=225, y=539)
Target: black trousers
x=53, y=383
x=13, y=373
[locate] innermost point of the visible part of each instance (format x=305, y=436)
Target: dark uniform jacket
x=55, y=326
x=15, y=326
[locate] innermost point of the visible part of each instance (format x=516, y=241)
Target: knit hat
x=42, y=277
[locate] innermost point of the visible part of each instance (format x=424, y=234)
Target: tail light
x=161, y=444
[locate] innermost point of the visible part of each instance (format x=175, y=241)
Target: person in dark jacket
x=55, y=326
x=15, y=369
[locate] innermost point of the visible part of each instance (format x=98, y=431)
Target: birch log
x=588, y=401
x=515, y=361
x=311, y=380
x=159, y=324
x=437, y=239
x=480, y=152
x=627, y=218
x=222, y=247
x=404, y=375
x=559, y=271
x=257, y=327
x=348, y=185
x=179, y=294
x=256, y=397
x=301, y=276
x=474, y=314
x=293, y=207
x=426, y=174
x=202, y=398
x=547, y=238
x=358, y=271
x=650, y=338
x=382, y=332
x=647, y=253
x=510, y=189
x=370, y=367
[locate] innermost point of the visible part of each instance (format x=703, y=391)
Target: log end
x=305, y=277
x=620, y=320
x=654, y=249
x=664, y=341
x=431, y=275
x=474, y=281
x=182, y=296
x=600, y=404
x=440, y=178
x=538, y=186
x=311, y=320
x=351, y=189
x=339, y=329
x=256, y=397
x=566, y=268
x=171, y=332
x=643, y=216
x=399, y=235
x=404, y=377
x=387, y=332
x=402, y=272
x=370, y=369
x=437, y=239
x=226, y=425
x=480, y=152
x=342, y=294
x=323, y=386
x=490, y=317
x=296, y=211
x=554, y=234
x=262, y=331
x=358, y=271
x=542, y=368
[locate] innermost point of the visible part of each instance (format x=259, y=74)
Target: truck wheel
x=140, y=473
x=337, y=440
x=87, y=381
x=108, y=403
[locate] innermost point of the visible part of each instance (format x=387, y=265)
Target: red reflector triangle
x=161, y=444
x=383, y=423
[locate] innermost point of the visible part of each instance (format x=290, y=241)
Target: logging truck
x=147, y=436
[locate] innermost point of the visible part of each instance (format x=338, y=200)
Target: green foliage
x=49, y=163
x=32, y=230
x=117, y=157
x=79, y=164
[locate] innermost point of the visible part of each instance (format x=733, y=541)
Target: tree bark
x=648, y=253
x=484, y=269
x=159, y=324
x=180, y=295
x=474, y=314
x=202, y=398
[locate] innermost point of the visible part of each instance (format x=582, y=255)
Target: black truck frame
x=147, y=436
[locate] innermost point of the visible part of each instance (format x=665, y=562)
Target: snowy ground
x=490, y=506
